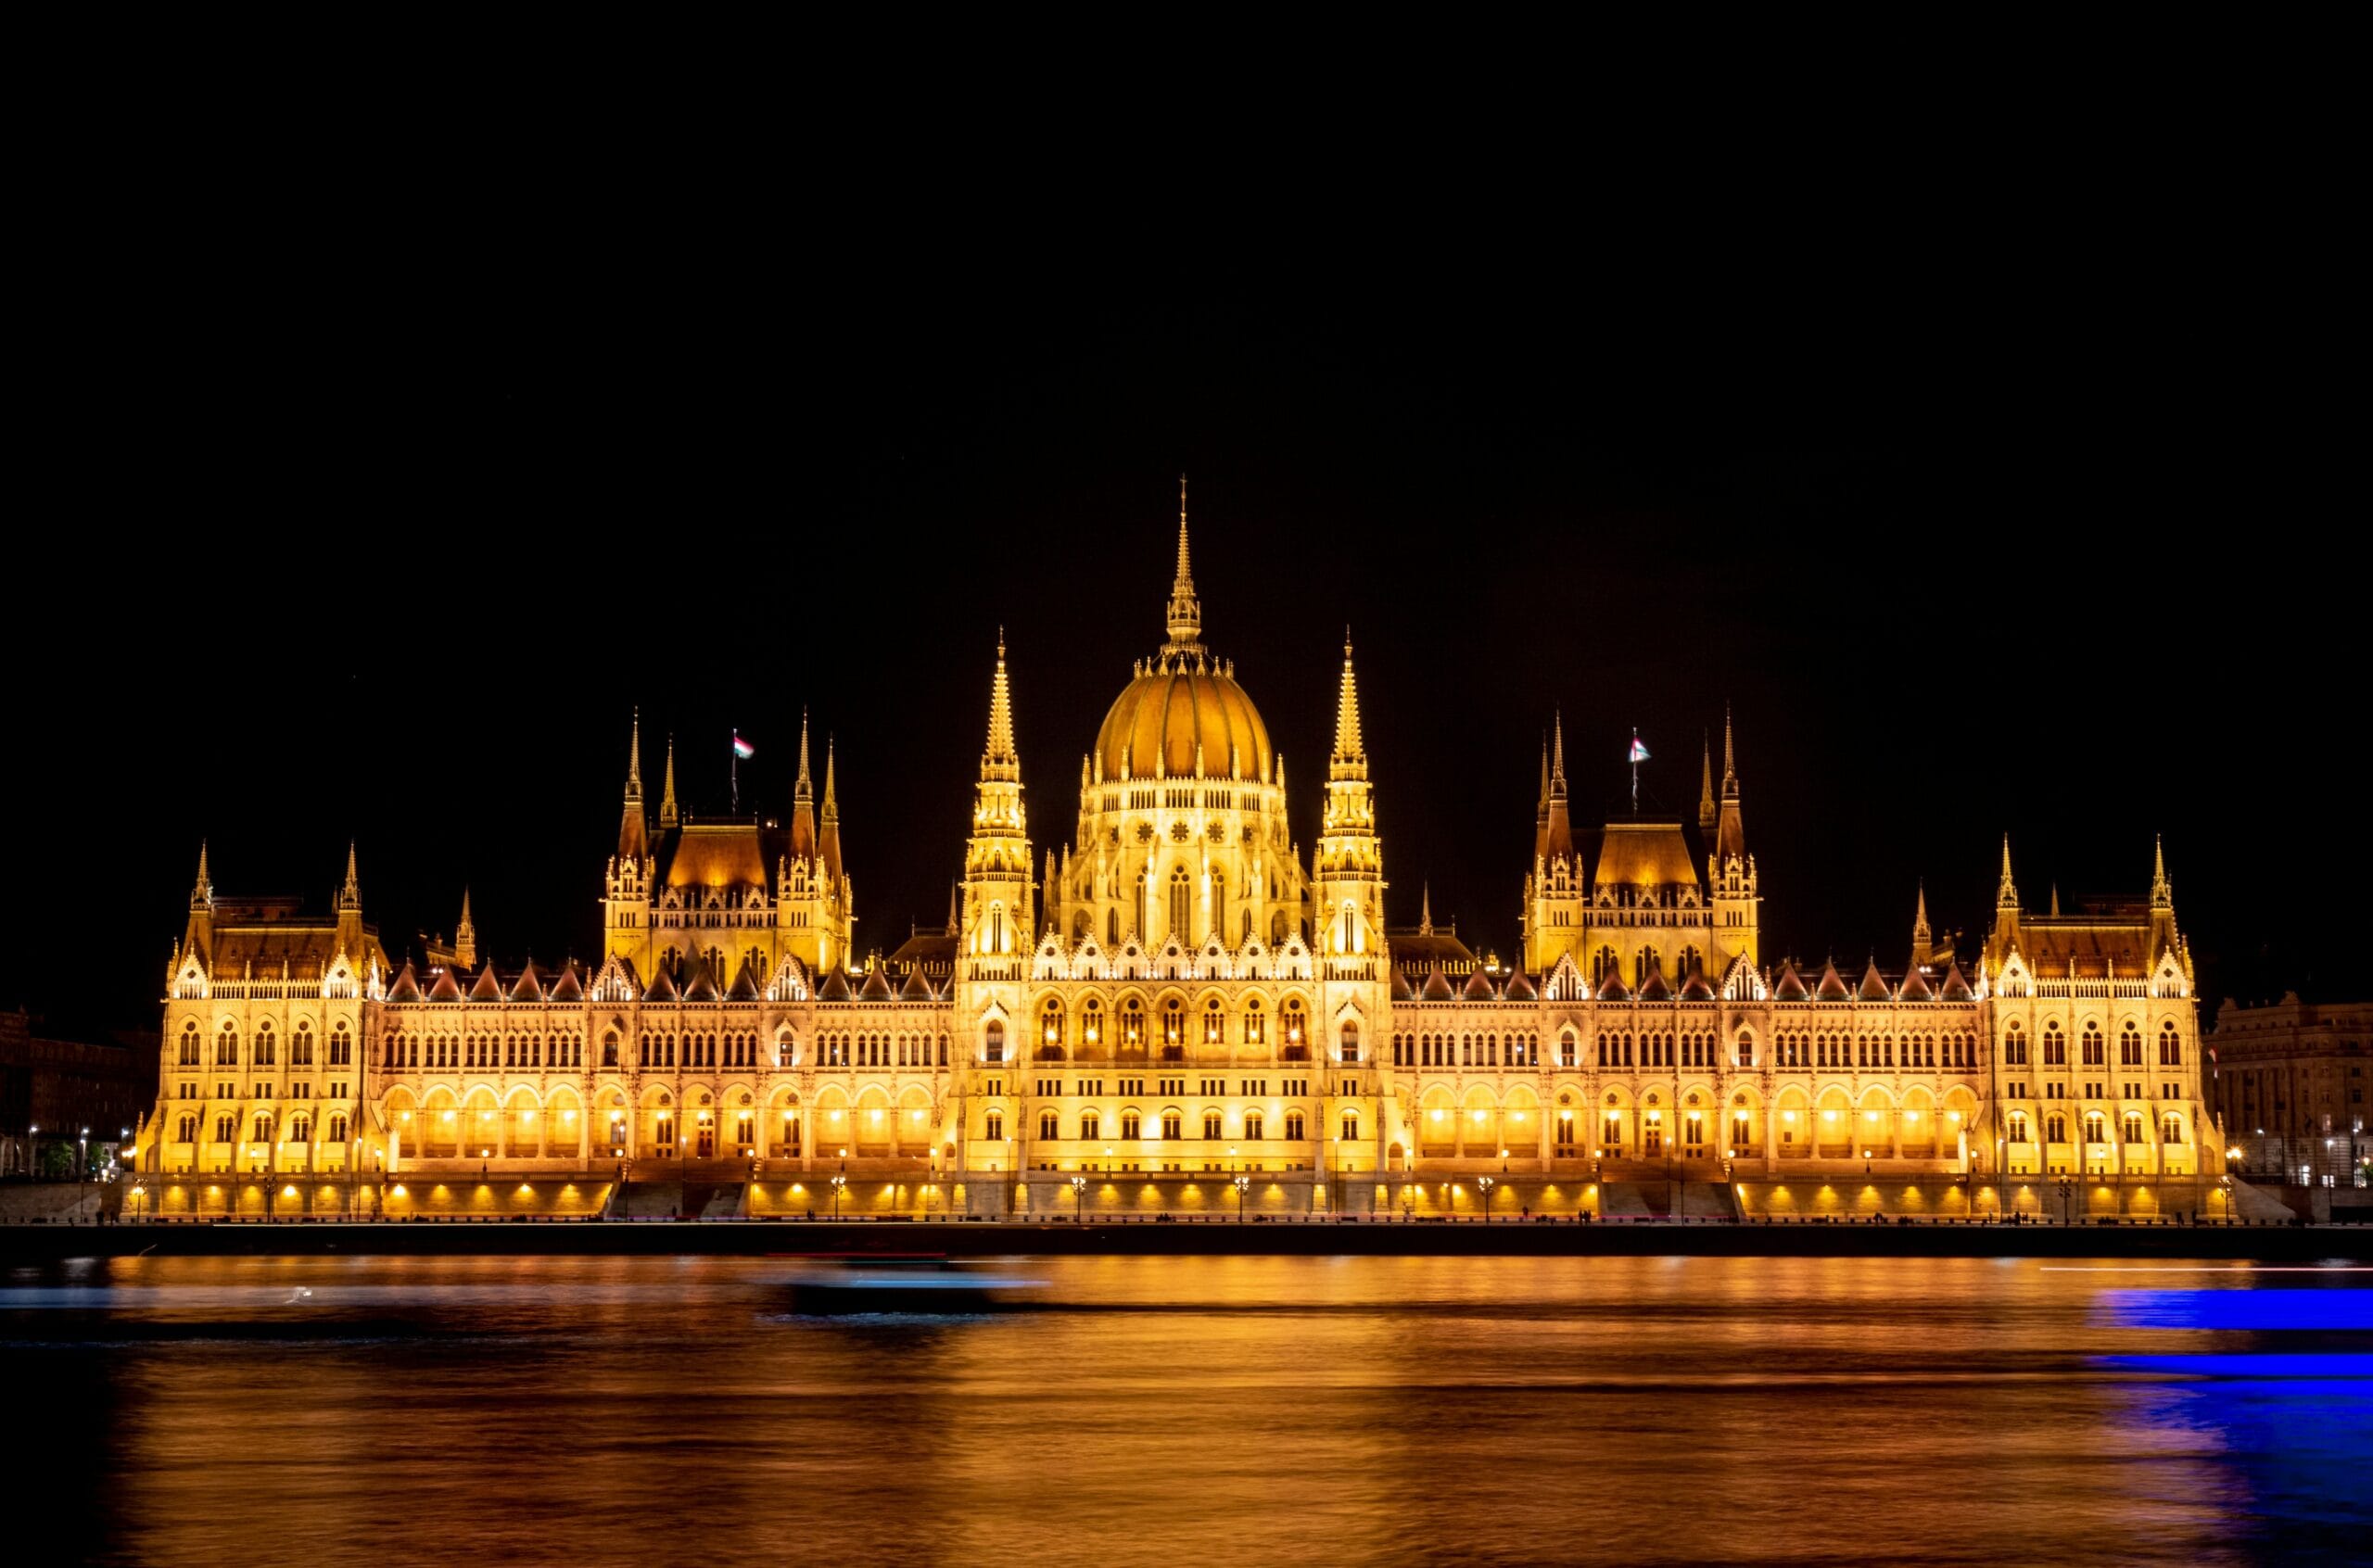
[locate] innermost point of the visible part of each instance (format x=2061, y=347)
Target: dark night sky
x=2000, y=505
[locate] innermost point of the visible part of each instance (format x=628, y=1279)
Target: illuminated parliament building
x=1173, y=1010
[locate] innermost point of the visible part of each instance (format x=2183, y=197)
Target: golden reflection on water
x=1253, y=1410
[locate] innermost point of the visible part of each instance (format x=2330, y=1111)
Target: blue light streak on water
x=2262, y=1311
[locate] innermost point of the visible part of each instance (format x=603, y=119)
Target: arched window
x=2019, y=1127
x=1293, y=1126
x=1090, y=1125
x=1181, y=906
x=1051, y=1031
x=1255, y=1026
x=2171, y=1050
x=301, y=1049
x=1296, y=1047
x=2014, y=1047
x=1350, y=1039
x=1211, y=1125
x=2172, y=1128
x=2096, y=1048
x=993, y=1041
x=1049, y=1126
x=2055, y=1045
x=1133, y=1023
x=610, y=1049
x=2129, y=1047
x=1276, y=927
x=185, y=1129
x=1602, y=965
x=992, y=1126
x=2096, y=1128
x=1174, y=1025
x=1113, y=927
x=337, y=1127
x=189, y=1048
x=1252, y=1127
x=1130, y=1125
x=1569, y=1050
x=1350, y=1127
x=263, y=1056
x=1170, y=1124
x=1213, y=1031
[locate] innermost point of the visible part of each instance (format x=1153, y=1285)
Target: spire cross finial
x=1185, y=619
x=634, y=757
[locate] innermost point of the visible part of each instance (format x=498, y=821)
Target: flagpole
x=733, y=769
x=1635, y=770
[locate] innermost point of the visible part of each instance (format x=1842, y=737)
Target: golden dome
x=1173, y=703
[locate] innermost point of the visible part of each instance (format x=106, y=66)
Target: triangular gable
x=486, y=988
x=1874, y=985
x=1833, y=985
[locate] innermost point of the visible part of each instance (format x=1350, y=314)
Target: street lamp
x=1242, y=1184
x=1079, y=1199
x=838, y=1182
x=1485, y=1182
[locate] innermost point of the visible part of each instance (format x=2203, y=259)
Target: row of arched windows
x=226, y=1127
x=403, y=1050
x=1131, y=1125
x=1466, y=1050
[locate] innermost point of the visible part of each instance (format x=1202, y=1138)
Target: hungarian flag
x=741, y=748
x=1639, y=751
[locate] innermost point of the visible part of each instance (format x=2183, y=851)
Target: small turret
x=1731, y=836
x=350, y=908
x=634, y=838
x=1558, y=840
x=197, y=936
x=466, y=936
x=1186, y=617
x=1706, y=814
x=2006, y=895
x=1922, y=940
x=667, y=816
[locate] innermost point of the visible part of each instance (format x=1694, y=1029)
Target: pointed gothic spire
x=1705, y=812
x=634, y=839
x=465, y=935
x=954, y=907
x=1426, y=910
x=1730, y=840
x=351, y=895
x=667, y=788
x=203, y=893
x=2006, y=896
x=1921, y=938
x=2055, y=901
x=831, y=806
x=1544, y=812
x=1186, y=614
x=803, y=791
x=2162, y=895
x=1557, y=756
x=1350, y=750
x=1556, y=838
x=998, y=761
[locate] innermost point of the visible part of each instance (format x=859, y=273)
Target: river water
x=1241, y=1411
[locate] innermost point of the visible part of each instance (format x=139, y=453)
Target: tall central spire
x=1000, y=761
x=1185, y=612
x=803, y=791
x=1350, y=752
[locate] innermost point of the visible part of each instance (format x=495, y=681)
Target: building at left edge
x=1178, y=1008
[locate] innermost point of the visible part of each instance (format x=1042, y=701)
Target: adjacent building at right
x=2288, y=1082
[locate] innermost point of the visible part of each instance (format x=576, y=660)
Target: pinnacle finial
x=1426, y=910
x=465, y=923
x=1557, y=749
x=1186, y=614
x=1920, y=936
x=2162, y=895
x=634, y=758
x=1705, y=786
x=203, y=885
x=998, y=761
x=667, y=788
x=803, y=791
x=1730, y=757
x=1348, y=747
x=2006, y=896
x=831, y=807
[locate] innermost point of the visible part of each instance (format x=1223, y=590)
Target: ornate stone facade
x=1172, y=999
